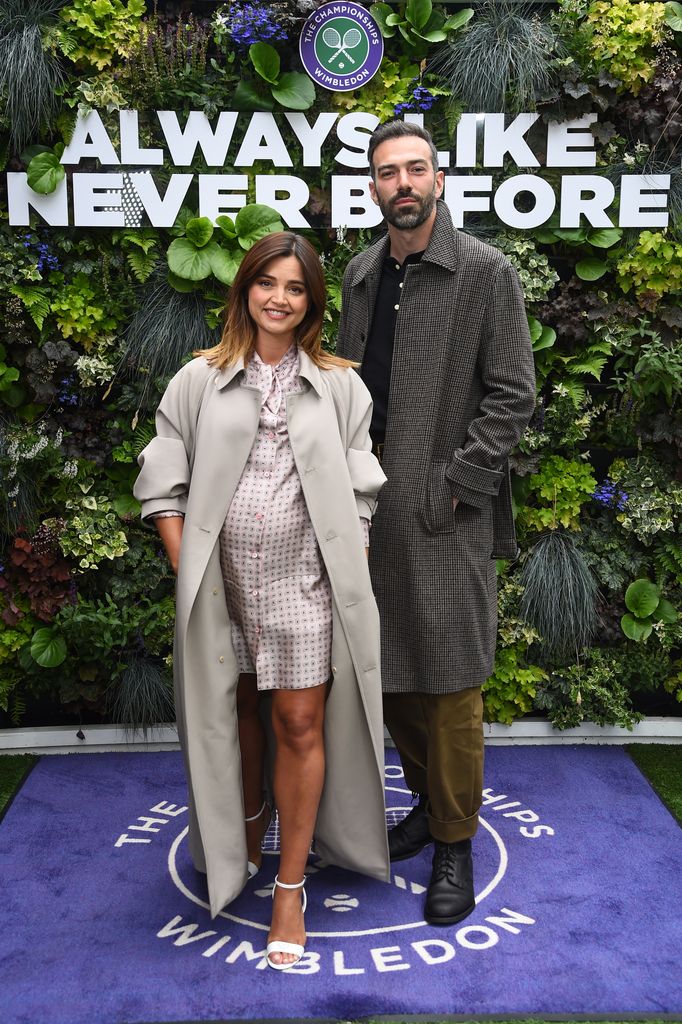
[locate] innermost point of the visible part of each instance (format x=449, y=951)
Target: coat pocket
x=437, y=512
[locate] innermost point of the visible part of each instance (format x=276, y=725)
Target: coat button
x=334, y=668
x=215, y=590
x=221, y=659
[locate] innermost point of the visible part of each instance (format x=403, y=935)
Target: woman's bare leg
x=298, y=719
x=252, y=746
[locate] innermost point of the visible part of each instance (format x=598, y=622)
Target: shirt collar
x=442, y=247
x=307, y=369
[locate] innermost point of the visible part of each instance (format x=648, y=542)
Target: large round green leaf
x=199, y=230
x=48, y=648
x=126, y=505
x=224, y=263
x=44, y=173
x=226, y=225
x=247, y=97
x=265, y=60
x=546, y=339
x=185, y=260
x=256, y=221
x=666, y=612
x=180, y=284
x=642, y=597
x=636, y=629
x=14, y=396
x=673, y=15
x=535, y=328
x=381, y=12
x=590, y=269
x=294, y=91
x=8, y=375
x=604, y=238
x=418, y=12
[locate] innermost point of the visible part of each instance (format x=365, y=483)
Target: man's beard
x=406, y=219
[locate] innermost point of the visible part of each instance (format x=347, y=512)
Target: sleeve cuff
x=466, y=477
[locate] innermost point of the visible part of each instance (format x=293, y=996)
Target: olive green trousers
x=440, y=741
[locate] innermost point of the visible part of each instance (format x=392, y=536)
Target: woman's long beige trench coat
x=206, y=424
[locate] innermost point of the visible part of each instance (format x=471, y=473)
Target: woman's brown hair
x=239, y=333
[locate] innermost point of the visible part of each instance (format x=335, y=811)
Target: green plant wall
x=96, y=320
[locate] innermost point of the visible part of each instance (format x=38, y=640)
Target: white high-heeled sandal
x=252, y=868
x=279, y=946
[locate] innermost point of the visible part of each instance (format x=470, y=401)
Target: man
x=437, y=320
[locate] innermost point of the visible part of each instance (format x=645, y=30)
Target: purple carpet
x=103, y=919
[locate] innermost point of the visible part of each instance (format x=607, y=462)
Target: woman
x=257, y=481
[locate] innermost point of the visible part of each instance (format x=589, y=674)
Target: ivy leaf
x=418, y=12
x=199, y=230
x=642, y=597
x=590, y=269
x=255, y=221
x=44, y=173
x=48, y=648
x=604, y=238
x=265, y=60
x=294, y=91
x=185, y=260
x=636, y=629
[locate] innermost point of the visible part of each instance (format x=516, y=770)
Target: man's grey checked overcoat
x=462, y=391
x=206, y=424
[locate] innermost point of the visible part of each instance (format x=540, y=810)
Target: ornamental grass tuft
x=29, y=74
x=143, y=698
x=559, y=598
x=166, y=328
x=503, y=61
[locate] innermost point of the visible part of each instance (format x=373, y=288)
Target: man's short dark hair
x=399, y=130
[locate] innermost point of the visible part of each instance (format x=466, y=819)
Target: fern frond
x=142, y=437
x=36, y=301
x=142, y=264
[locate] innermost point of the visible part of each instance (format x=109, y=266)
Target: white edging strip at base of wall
x=69, y=739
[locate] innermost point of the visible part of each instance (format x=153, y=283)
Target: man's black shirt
x=376, y=365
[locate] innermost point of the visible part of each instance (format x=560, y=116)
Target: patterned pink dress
x=277, y=588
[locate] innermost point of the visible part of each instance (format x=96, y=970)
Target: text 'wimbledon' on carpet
x=104, y=918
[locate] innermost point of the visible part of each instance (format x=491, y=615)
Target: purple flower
x=420, y=99
x=610, y=495
x=252, y=23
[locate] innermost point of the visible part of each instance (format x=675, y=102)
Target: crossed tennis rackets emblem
x=351, y=38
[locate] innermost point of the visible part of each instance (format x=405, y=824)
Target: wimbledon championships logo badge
x=341, y=46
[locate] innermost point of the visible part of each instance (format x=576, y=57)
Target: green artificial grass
x=662, y=765
x=13, y=770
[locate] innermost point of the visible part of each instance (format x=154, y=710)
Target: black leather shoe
x=411, y=835
x=450, y=896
